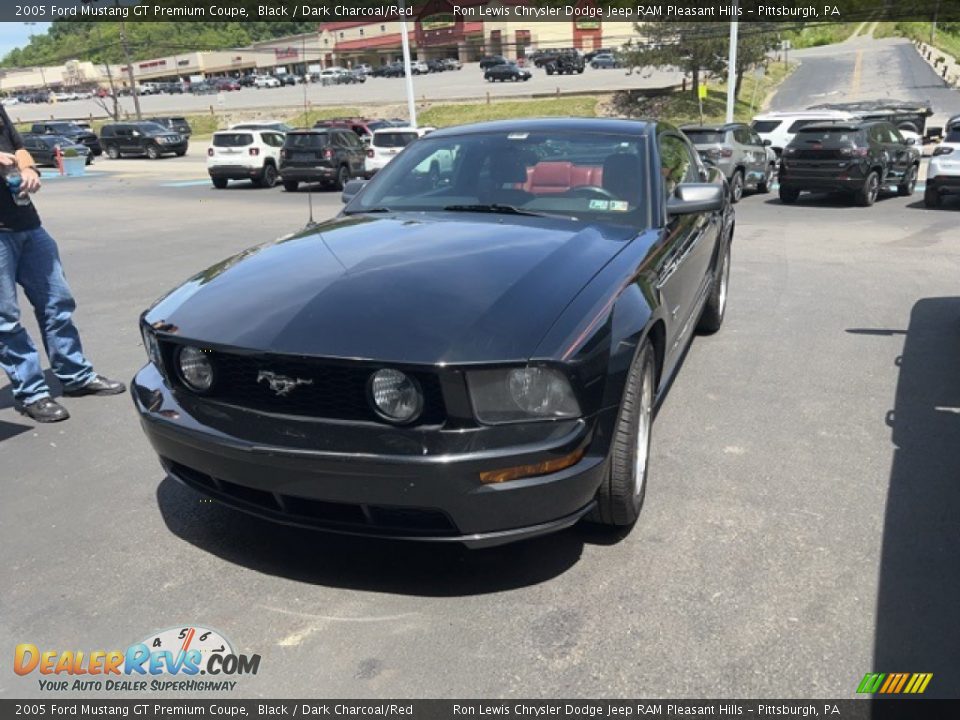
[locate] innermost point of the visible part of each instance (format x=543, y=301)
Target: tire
x=620, y=495
x=89, y=160
x=181, y=153
x=291, y=185
x=712, y=317
x=764, y=185
x=736, y=187
x=910, y=182
x=343, y=177
x=931, y=198
x=153, y=152
x=788, y=195
x=267, y=177
x=867, y=194
x=219, y=183
x=113, y=152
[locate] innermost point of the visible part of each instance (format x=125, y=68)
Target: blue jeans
x=31, y=259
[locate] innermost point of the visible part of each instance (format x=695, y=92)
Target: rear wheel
x=267, y=177
x=788, y=195
x=219, y=183
x=931, y=198
x=621, y=493
x=906, y=188
x=290, y=185
x=736, y=186
x=867, y=194
x=343, y=177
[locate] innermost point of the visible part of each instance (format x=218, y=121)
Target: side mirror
x=691, y=198
x=351, y=189
x=767, y=143
x=909, y=141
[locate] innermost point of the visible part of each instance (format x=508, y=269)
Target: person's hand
x=7, y=159
x=31, y=180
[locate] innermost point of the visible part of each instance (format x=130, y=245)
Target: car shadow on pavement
x=410, y=568
x=917, y=628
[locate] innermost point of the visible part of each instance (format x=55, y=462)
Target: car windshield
x=393, y=139
x=232, y=139
x=306, y=140
x=824, y=136
x=65, y=127
x=152, y=128
x=704, y=136
x=798, y=124
x=592, y=176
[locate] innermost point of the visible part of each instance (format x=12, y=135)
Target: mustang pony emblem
x=281, y=384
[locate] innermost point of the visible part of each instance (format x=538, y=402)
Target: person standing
x=29, y=257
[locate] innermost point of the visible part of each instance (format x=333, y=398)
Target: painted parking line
x=58, y=176
x=186, y=183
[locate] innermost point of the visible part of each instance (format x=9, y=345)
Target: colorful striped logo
x=894, y=683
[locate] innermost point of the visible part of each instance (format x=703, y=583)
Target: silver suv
x=739, y=153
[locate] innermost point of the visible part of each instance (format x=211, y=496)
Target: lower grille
x=327, y=390
x=372, y=519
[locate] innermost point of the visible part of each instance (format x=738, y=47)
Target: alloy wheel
x=645, y=413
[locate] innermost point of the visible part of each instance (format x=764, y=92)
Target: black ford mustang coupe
x=472, y=351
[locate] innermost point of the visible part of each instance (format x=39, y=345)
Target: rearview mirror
x=692, y=198
x=351, y=189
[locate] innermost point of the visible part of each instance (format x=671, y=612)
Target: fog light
x=195, y=368
x=395, y=396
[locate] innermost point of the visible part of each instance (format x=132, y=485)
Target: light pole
x=407, y=70
x=732, y=67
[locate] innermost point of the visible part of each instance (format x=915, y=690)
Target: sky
x=17, y=34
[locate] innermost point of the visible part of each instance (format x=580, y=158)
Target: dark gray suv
x=739, y=153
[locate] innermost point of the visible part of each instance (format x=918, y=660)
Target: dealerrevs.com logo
x=170, y=660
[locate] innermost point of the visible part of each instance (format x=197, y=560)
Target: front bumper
x=410, y=493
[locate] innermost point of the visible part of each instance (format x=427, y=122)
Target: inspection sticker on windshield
x=619, y=205
x=518, y=136
x=599, y=204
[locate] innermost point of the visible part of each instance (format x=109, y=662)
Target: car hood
x=415, y=288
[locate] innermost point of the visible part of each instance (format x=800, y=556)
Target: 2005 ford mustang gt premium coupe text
x=472, y=351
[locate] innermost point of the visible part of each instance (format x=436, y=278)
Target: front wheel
x=113, y=152
x=736, y=187
x=620, y=495
x=764, y=185
x=267, y=178
x=906, y=188
x=153, y=152
x=713, y=311
x=788, y=196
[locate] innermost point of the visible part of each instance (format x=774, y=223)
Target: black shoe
x=98, y=386
x=45, y=410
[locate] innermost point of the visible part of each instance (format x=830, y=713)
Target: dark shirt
x=13, y=217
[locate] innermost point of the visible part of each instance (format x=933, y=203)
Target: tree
x=755, y=40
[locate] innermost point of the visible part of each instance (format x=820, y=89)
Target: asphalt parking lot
x=798, y=530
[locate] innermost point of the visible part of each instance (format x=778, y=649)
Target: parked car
x=71, y=131
x=386, y=143
x=148, y=88
x=43, y=148
x=247, y=80
x=141, y=138
x=507, y=71
x=588, y=57
x=363, y=127
x=286, y=79
x=781, y=127
x=226, y=84
x=365, y=68
x=419, y=67
x=565, y=64
x=858, y=157
x=452, y=64
x=238, y=154
x=175, y=123
x=171, y=88
x=265, y=81
x=204, y=87
x=436, y=65
x=332, y=156
x=485, y=359
x=745, y=160
x=489, y=61
x=943, y=172
x=604, y=61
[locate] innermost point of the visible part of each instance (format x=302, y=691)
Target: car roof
x=552, y=124
x=394, y=129
x=714, y=128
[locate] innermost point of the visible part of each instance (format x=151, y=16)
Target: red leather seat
x=552, y=177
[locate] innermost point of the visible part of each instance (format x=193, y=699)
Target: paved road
x=799, y=530
x=467, y=83
x=865, y=69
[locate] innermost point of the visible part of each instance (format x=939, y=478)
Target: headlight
x=395, y=396
x=522, y=394
x=152, y=346
x=195, y=368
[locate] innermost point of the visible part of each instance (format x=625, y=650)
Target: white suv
x=943, y=172
x=780, y=127
x=265, y=81
x=244, y=155
x=386, y=143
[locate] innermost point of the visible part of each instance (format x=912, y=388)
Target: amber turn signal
x=541, y=468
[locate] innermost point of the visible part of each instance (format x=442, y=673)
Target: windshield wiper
x=371, y=210
x=494, y=208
